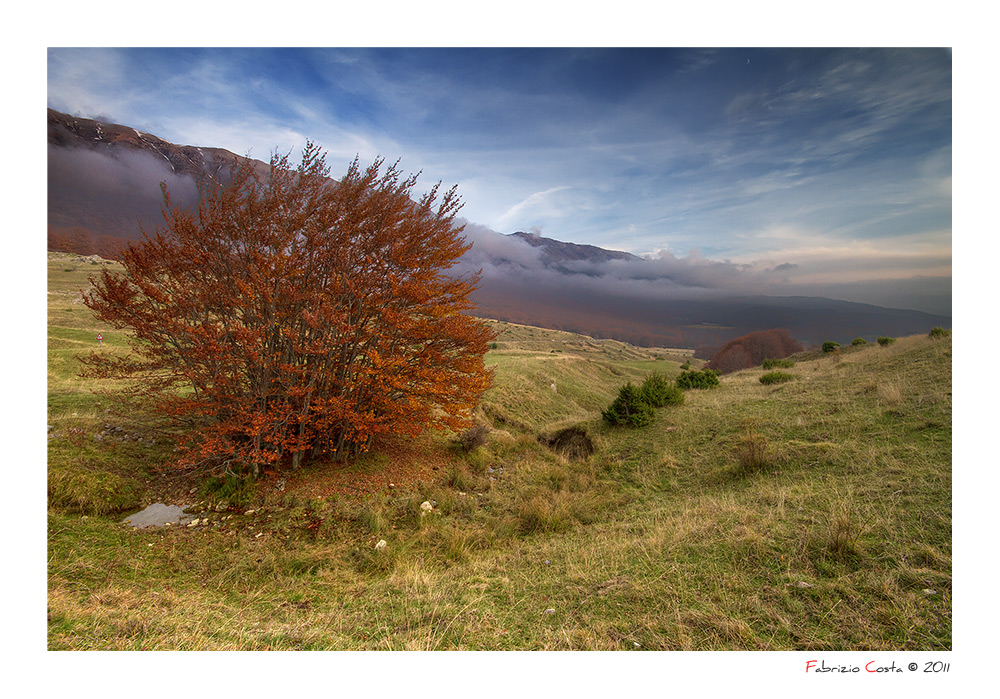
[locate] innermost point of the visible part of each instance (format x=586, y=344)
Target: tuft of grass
x=843, y=532
x=890, y=393
x=229, y=489
x=752, y=451
x=92, y=492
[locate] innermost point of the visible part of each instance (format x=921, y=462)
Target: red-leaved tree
x=292, y=315
x=752, y=349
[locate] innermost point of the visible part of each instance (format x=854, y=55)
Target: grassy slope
x=660, y=540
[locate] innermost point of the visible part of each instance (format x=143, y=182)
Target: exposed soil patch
x=397, y=464
x=573, y=442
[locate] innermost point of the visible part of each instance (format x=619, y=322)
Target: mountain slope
x=104, y=188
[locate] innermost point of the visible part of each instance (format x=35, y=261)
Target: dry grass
x=839, y=519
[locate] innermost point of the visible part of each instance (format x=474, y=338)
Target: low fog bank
x=111, y=194
x=509, y=260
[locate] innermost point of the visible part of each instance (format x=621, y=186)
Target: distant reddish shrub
x=81, y=241
x=109, y=247
x=752, y=349
x=706, y=351
x=730, y=359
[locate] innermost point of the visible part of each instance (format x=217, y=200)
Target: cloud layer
x=884, y=278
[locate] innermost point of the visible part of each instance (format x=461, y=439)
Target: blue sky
x=827, y=171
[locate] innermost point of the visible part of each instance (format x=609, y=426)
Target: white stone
x=380, y=545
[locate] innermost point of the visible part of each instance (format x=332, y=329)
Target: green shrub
x=886, y=341
x=778, y=363
x=629, y=408
x=698, y=379
x=493, y=345
x=858, y=341
x=776, y=377
x=658, y=391
x=830, y=346
x=686, y=365
x=939, y=332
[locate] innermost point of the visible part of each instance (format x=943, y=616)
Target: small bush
x=858, y=341
x=685, y=366
x=776, y=377
x=658, y=391
x=886, y=341
x=494, y=345
x=750, y=350
x=939, y=332
x=698, y=379
x=778, y=364
x=473, y=437
x=830, y=346
x=629, y=408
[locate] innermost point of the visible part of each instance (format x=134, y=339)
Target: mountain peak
x=557, y=251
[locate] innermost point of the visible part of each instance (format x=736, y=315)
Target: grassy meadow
x=808, y=514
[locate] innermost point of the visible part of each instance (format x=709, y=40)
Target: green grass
x=808, y=515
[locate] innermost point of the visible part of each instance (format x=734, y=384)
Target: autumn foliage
x=752, y=349
x=291, y=315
